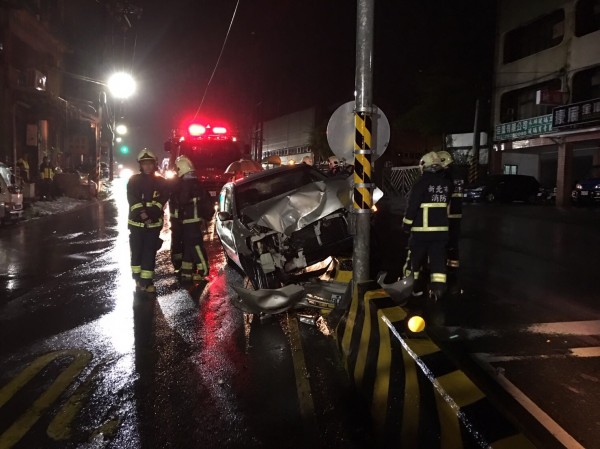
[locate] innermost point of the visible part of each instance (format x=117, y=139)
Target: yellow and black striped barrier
x=417, y=396
x=362, y=161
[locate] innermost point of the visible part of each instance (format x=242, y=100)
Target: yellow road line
x=350, y=321
x=22, y=425
x=450, y=435
x=61, y=426
x=461, y=388
x=305, y=400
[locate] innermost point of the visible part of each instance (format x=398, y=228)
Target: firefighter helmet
x=183, y=165
x=430, y=162
x=445, y=158
x=146, y=155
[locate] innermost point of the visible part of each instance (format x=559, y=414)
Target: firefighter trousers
x=144, y=244
x=453, y=261
x=176, y=243
x=423, y=249
x=195, y=260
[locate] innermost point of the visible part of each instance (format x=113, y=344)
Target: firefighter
x=426, y=219
x=333, y=165
x=195, y=206
x=175, y=221
x=46, y=175
x=147, y=195
x=454, y=219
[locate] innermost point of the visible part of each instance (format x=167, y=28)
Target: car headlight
x=597, y=186
x=578, y=186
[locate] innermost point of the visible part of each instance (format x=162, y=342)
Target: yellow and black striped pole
x=362, y=140
x=362, y=161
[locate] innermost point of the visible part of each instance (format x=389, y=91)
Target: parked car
x=504, y=188
x=279, y=226
x=587, y=190
x=11, y=198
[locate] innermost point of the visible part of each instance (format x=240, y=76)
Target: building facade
x=546, y=102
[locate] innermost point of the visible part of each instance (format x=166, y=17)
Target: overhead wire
x=218, y=59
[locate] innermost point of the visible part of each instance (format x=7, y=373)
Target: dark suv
x=587, y=191
x=504, y=188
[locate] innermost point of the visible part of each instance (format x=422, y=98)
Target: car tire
x=265, y=280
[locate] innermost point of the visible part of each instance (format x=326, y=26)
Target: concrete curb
x=418, y=398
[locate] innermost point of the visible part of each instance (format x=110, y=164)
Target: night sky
x=285, y=55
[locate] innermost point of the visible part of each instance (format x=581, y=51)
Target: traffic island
x=416, y=394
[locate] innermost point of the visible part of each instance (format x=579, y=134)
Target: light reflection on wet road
x=186, y=370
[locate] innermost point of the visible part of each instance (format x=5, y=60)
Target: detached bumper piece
x=269, y=301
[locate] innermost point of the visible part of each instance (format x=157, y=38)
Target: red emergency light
x=219, y=130
x=196, y=130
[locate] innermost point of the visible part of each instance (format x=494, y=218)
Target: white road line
x=582, y=328
x=567, y=328
x=571, y=352
x=540, y=415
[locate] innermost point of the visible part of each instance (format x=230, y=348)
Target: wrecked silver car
x=282, y=226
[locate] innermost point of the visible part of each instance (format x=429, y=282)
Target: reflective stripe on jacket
x=427, y=209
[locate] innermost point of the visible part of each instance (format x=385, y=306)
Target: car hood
x=294, y=210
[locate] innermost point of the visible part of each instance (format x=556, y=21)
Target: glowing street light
x=121, y=85
x=119, y=139
x=121, y=129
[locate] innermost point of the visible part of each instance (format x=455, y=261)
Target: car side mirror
x=225, y=216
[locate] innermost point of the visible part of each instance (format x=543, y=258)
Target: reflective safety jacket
x=46, y=171
x=146, y=193
x=456, y=200
x=427, y=209
x=189, y=202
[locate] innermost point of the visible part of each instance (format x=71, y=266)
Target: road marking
x=586, y=352
x=567, y=328
x=582, y=328
x=61, y=426
x=305, y=400
x=540, y=415
x=22, y=425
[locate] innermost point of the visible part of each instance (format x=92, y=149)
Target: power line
x=218, y=59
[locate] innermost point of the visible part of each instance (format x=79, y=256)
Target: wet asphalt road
x=530, y=315
x=84, y=363
x=189, y=370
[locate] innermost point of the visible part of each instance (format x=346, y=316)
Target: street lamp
x=121, y=86
x=121, y=129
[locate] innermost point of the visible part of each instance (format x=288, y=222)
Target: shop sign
x=525, y=128
x=576, y=114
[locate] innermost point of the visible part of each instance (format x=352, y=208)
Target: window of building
x=587, y=17
x=545, y=32
x=586, y=84
x=520, y=104
x=510, y=169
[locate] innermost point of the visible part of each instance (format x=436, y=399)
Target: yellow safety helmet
x=183, y=165
x=445, y=158
x=146, y=155
x=430, y=162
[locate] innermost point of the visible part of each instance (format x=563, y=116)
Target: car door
x=225, y=224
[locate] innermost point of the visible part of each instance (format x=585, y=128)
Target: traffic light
x=124, y=149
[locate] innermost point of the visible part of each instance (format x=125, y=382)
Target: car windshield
x=279, y=183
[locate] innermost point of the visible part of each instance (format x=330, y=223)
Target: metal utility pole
x=474, y=165
x=362, y=142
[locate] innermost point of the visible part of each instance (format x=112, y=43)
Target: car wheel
x=490, y=197
x=264, y=280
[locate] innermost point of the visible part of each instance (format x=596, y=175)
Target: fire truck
x=210, y=148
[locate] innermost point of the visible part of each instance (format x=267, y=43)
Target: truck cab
x=210, y=148
x=11, y=198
